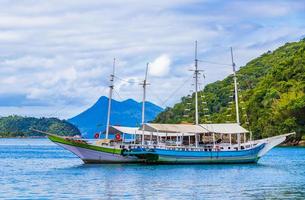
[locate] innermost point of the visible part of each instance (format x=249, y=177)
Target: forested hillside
x=272, y=95
x=17, y=126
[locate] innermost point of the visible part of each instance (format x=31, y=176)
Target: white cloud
x=268, y=8
x=60, y=52
x=160, y=66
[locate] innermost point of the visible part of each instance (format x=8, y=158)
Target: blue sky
x=56, y=56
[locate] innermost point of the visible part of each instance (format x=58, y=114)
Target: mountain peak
x=130, y=101
x=124, y=113
x=103, y=98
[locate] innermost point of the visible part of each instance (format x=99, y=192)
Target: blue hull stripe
x=240, y=153
x=182, y=156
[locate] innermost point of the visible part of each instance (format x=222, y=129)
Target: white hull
x=93, y=156
x=271, y=142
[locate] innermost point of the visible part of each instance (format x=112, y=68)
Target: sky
x=56, y=56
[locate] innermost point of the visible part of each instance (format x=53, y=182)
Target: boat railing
x=176, y=148
x=206, y=147
x=209, y=147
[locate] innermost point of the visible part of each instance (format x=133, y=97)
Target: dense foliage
x=17, y=126
x=272, y=95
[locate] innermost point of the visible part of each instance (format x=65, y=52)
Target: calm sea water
x=38, y=169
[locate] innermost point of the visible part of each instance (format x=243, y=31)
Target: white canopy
x=137, y=131
x=174, y=128
x=124, y=129
x=180, y=129
x=227, y=128
x=128, y=130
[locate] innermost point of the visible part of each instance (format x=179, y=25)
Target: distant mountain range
x=123, y=113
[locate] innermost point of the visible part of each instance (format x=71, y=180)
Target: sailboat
x=189, y=146
x=173, y=143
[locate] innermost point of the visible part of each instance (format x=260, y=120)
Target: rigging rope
x=163, y=102
x=127, y=81
x=175, y=91
x=133, y=114
x=214, y=63
x=118, y=94
x=158, y=98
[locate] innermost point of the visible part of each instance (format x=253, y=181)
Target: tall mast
x=143, y=102
x=236, y=97
x=196, y=86
x=196, y=93
x=235, y=88
x=110, y=98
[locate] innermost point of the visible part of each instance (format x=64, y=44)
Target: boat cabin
x=226, y=136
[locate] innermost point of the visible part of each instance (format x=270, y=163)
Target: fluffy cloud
x=57, y=55
x=160, y=66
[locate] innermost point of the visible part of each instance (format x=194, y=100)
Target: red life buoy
x=96, y=135
x=117, y=136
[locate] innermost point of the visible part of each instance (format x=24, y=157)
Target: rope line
x=175, y=91
x=214, y=63
x=158, y=98
x=132, y=114
x=127, y=81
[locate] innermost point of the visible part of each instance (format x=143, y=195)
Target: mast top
x=143, y=102
x=110, y=99
x=196, y=60
x=146, y=72
x=112, y=75
x=233, y=64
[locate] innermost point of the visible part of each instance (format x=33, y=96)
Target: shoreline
x=31, y=137
x=300, y=144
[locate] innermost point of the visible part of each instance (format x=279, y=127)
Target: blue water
x=38, y=169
